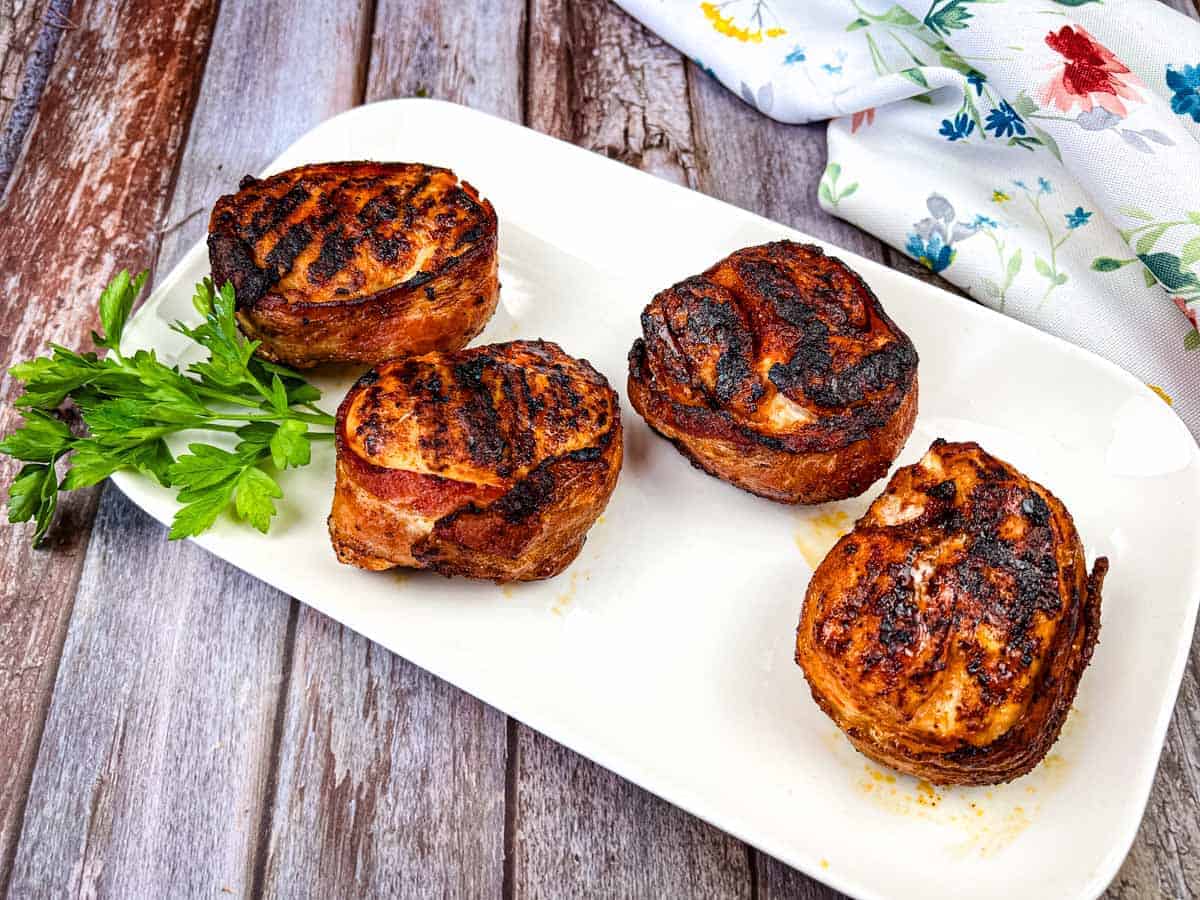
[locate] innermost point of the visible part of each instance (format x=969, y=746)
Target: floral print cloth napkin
x=1043, y=155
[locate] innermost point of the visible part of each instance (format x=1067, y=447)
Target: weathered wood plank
x=391, y=782
x=84, y=200
x=161, y=789
x=158, y=744
x=469, y=53
x=600, y=80
x=20, y=25
x=582, y=831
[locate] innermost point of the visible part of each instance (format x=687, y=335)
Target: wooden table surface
x=171, y=726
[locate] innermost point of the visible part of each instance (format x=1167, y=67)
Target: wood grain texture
x=84, y=200
x=157, y=748
x=391, y=782
x=601, y=80
x=162, y=791
x=469, y=53
x=582, y=831
x=20, y=24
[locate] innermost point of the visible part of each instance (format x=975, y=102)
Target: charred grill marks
x=357, y=262
x=491, y=462
x=960, y=628
x=775, y=348
x=349, y=209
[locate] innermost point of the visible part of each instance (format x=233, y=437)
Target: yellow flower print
x=756, y=28
x=1000, y=197
x=1166, y=397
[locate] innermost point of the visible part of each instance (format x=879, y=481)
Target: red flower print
x=1090, y=76
x=859, y=118
x=1187, y=311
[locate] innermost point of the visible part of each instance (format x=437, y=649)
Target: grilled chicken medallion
x=356, y=261
x=946, y=634
x=777, y=370
x=491, y=462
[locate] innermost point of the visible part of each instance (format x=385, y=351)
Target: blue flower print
x=1078, y=218
x=832, y=69
x=932, y=239
x=958, y=130
x=796, y=56
x=1185, y=83
x=934, y=253
x=1004, y=121
x=982, y=221
x=1044, y=186
x=976, y=80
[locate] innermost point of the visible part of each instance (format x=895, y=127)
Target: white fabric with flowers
x=1044, y=155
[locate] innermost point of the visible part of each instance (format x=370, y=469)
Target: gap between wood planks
x=25, y=63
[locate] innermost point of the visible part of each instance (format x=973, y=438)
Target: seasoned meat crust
x=946, y=634
x=491, y=462
x=777, y=370
x=357, y=261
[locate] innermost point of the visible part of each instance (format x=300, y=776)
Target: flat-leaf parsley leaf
x=130, y=402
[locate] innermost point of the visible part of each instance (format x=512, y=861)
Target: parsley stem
x=317, y=417
x=322, y=419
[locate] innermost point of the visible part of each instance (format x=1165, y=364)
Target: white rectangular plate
x=665, y=651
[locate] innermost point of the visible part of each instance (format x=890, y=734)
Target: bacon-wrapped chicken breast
x=947, y=633
x=777, y=370
x=491, y=462
x=356, y=261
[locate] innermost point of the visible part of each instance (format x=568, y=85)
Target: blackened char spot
x=478, y=413
x=470, y=236
x=890, y=366
x=336, y=252
x=718, y=324
x=897, y=622
x=386, y=249
x=1035, y=509
x=275, y=211
x=587, y=454
x=366, y=380
x=944, y=490
x=528, y=496
x=283, y=255
x=383, y=207
x=232, y=261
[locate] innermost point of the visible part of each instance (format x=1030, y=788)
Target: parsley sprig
x=131, y=403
